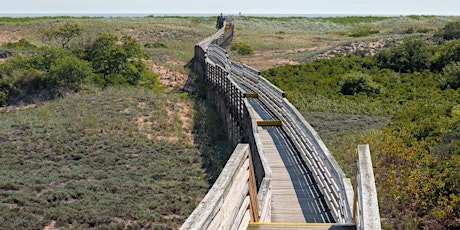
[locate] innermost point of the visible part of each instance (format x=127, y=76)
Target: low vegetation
x=414, y=87
x=242, y=48
x=107, y=160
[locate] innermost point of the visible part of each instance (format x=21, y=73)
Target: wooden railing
x=225, y=205
x=365, y=210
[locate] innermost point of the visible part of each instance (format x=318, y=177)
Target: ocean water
x=115, y=15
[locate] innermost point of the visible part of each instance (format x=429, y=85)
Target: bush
x=113, y=57
x=156, y=45
x=149, y=80
x=22, y=44
x=410, y=56
x=242, y=48
x=363, y=32
x=452, y=73
x=355, y=83
x=448, y=52
x=70, y=71
x=3, y=97
x=451, y=31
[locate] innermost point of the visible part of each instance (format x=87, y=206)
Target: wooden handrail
x=366, y=209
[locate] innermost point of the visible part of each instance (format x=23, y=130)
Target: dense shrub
x=447, y=53
x=22, y=44
x=363, y=32
x=242, y=48
x=410, y=56
x=452, y=73
x=354, y=83
x=451, y=31
x=70, y=71
x=3, y=97
x=115, y=59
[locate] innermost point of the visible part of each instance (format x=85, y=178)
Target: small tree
x=113, y=59
x=64, y=34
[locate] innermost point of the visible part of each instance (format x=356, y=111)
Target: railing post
x=355, y=200
x=366, y=214
x=254, y=207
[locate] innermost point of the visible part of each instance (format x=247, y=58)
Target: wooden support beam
x=251, y=95
x=269, y=123
x=253, y=205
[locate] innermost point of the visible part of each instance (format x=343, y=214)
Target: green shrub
x=447, y=53
x=355, y=83
x=3, y=97
x=451, y=31
x=355, y=19
x=156, y=45
x=116, y=80
x=242, y=48
x=149, y=80
x=120, y=58
x=70, y=71
x=363, y=32
x=412, y=55
x=452, y=73
x=22, y=44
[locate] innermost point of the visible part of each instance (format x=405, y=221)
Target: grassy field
x=112, y=159
x=125, y=158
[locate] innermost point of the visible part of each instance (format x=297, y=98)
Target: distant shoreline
x=133, y=15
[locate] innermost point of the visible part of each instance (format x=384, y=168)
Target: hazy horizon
x=245, y=7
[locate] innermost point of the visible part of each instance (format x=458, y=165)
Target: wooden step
x=300, y=226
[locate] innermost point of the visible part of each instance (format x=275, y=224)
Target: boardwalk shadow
x=311, y=200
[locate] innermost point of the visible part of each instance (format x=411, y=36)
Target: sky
x=233, y=7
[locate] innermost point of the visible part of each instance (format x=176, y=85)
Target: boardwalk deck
x=295, y=195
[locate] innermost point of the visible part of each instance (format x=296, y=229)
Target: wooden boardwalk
x=295, y=195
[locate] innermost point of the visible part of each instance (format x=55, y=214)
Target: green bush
x=363, y=32
x=412, y=55
x=452, y=73
x=355, y=83
x=3, y=97
x=70, y=71
x=149, y=80
x=156, y=45
x=114, y=57
x=447, y=53
x=242, y=48
x=451, y=31
x=22, y=44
